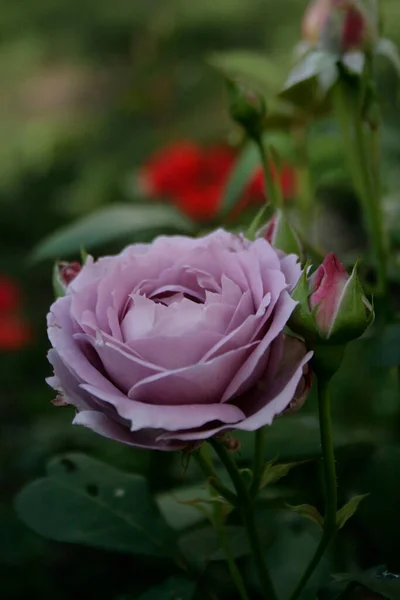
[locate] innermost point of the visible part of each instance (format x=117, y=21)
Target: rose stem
x=328, y=456
x=206, y=466
x=362, y=165
x=258, y=469
x=273, y=191
x=273, y=194
x=247, y=513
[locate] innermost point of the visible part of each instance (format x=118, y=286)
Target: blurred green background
x=89, y=90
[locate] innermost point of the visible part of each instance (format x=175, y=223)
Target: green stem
x=212, y=478
x=206, y=466
x=273, y=191
x=230, y=559
x=247, y=513
x=259, y=460
x=328, y=455
x=365, y=173
x=304, y=183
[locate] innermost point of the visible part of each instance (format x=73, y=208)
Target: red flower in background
x=14, y=332
x=194, y=178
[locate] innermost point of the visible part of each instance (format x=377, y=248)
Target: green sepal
x=247, y=108
x=284, y=237
x=354, y=314
x=59, y=288
x=301, y=320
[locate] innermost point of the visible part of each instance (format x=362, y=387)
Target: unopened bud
x=63, y=274
x=247, y=108
x=332, y=307
x=340, y=25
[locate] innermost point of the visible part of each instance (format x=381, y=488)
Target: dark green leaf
x=348, y=510
x=274, y=472
x=84, y=501
x=385, y=348
x=175, y=508
x=109, y=224
x=203, y=545
x=175, y=588
x=380, y=515
x=378, y=580
x=290, y=554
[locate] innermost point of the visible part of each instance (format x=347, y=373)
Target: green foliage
x=348, y=510
x=374, y=581
x=175, y=588
x=308, y=512
x=84, y=501
x=108, y=224
x=274, y=472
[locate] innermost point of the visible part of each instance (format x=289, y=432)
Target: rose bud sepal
x=280, y=234
x=247, y=108
x=302, y=320
x=354, y=313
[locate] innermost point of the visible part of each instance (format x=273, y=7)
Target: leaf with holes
x=348, y=510
x=84, y=501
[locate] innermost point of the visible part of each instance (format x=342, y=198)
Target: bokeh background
x=90, y=90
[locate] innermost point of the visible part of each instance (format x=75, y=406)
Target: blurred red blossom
x=14, y=331
x=194, y=178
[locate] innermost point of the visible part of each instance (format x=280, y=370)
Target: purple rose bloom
x=172, y=342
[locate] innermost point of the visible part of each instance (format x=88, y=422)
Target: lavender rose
x=175, y=341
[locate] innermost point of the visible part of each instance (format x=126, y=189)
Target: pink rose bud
x=63, y=274
x=332, y=307
x=327, y=285
x=340, y=25
x=68, y=271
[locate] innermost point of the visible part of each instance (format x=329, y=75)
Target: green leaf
x=385, y=348
x=239, y=177
x=175, y=588
x=308, y=512
x=203, y=545
x=84, y=501
x=389, y=50
x=249, y=67
x=289, y=556
x=348, y=510
x=313, y=65
x=377, y=580
x=107, y=225
x=177, y=508
x=274, y=472
x=380, y=515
